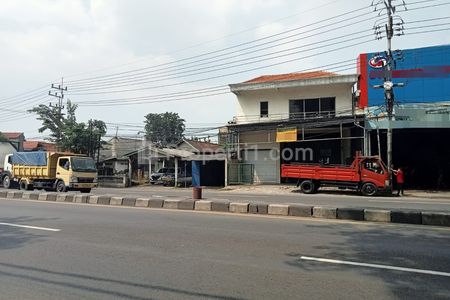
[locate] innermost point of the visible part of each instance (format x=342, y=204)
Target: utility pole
x=59, y=94
x=388, y=85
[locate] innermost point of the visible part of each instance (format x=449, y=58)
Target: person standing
x=400, y=181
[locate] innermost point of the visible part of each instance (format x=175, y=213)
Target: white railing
x=283, y=117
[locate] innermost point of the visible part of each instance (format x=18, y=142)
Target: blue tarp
x=30, y=158
x=196, y=173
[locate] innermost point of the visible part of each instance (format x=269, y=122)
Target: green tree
x=3, y=138
x=68, y=134
x=165, y=128
x=52, y=119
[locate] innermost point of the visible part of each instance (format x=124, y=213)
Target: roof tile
x=290, y=76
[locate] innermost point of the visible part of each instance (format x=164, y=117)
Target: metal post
x=176, y=171
x=388, y=85
x=379, y=144
x=390, y=93
x=226, y=172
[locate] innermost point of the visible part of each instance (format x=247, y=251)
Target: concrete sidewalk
x=290, y=188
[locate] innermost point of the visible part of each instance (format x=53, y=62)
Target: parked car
x=183, y=180
x=155, y=178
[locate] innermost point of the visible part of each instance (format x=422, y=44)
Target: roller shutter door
x=266, y=168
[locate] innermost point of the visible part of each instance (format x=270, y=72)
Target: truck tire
x=85, y=190
x=61, y=187
x=24, y=186
x=307, y=187
x=369, y=189
x=6, y=182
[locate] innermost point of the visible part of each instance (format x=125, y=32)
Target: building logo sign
x=378, y=62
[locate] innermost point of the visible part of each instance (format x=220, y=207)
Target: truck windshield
x=374, y=166
x=82, y=164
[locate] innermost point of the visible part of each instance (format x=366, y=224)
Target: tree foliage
x=165, y=128
x=52, y=120
x=67, y=133
x=3, y=138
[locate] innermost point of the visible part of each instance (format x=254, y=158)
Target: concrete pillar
x=176, y=171
x=226, y=171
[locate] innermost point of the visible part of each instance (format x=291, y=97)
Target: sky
x=121, y=60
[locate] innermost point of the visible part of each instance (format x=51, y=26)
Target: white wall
x=248, y=105
x=5, y=148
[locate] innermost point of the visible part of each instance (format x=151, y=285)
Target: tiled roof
x=290, y=76
x=33, y=145
x=30, y=145
x=203, y=146
x=12, y=135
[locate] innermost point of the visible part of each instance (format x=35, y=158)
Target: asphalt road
x=103, y=252
x=329, y=198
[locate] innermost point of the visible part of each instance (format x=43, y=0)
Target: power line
x=227, y=48
x=234, y=73
x=125, y=101
x=227, y=65
x=43, y=87
x=210, y=41
x=202, y=61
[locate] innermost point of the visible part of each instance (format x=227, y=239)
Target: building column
x=176, y=171
x=226, y=172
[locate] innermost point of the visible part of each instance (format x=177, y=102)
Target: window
x=296, y=109
x=373, y=166
x=312, y=108
x=64, y=163
x=264, y=109
x=327, y=106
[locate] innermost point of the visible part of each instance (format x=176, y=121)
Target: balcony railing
x=283, y=117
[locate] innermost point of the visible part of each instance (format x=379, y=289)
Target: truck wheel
x=24, y=186
x=60, y=187
x=369, y=189
x=6, y=182
x=85, y=190
x=307, y=187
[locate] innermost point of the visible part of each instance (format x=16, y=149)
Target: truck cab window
x=373, y=166
x=64, y=163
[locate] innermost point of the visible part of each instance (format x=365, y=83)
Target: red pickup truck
x=367, y=174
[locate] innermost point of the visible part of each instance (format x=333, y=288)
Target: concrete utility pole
x=388, y=85
x=60, y=97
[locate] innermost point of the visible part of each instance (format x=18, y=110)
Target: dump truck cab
x=75, y=173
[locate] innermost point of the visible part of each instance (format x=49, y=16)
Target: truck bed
x=34, y=165
x=319, y=172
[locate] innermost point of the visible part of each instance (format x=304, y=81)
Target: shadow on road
x=387, y=247
x=91, y=284
x=15, y=237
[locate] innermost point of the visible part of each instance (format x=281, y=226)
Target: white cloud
x=41, y=40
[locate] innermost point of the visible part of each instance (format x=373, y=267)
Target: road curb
x=278, y=209
x=434, y=218
x=406, y=216
x=355, y=214
x=324, y=212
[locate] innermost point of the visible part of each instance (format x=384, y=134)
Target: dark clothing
x=400, y=189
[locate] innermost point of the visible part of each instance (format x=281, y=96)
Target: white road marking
x=352, y=263
x=30, y=227
x=410, y=202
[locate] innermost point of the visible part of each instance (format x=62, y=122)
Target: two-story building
x=297, y=117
